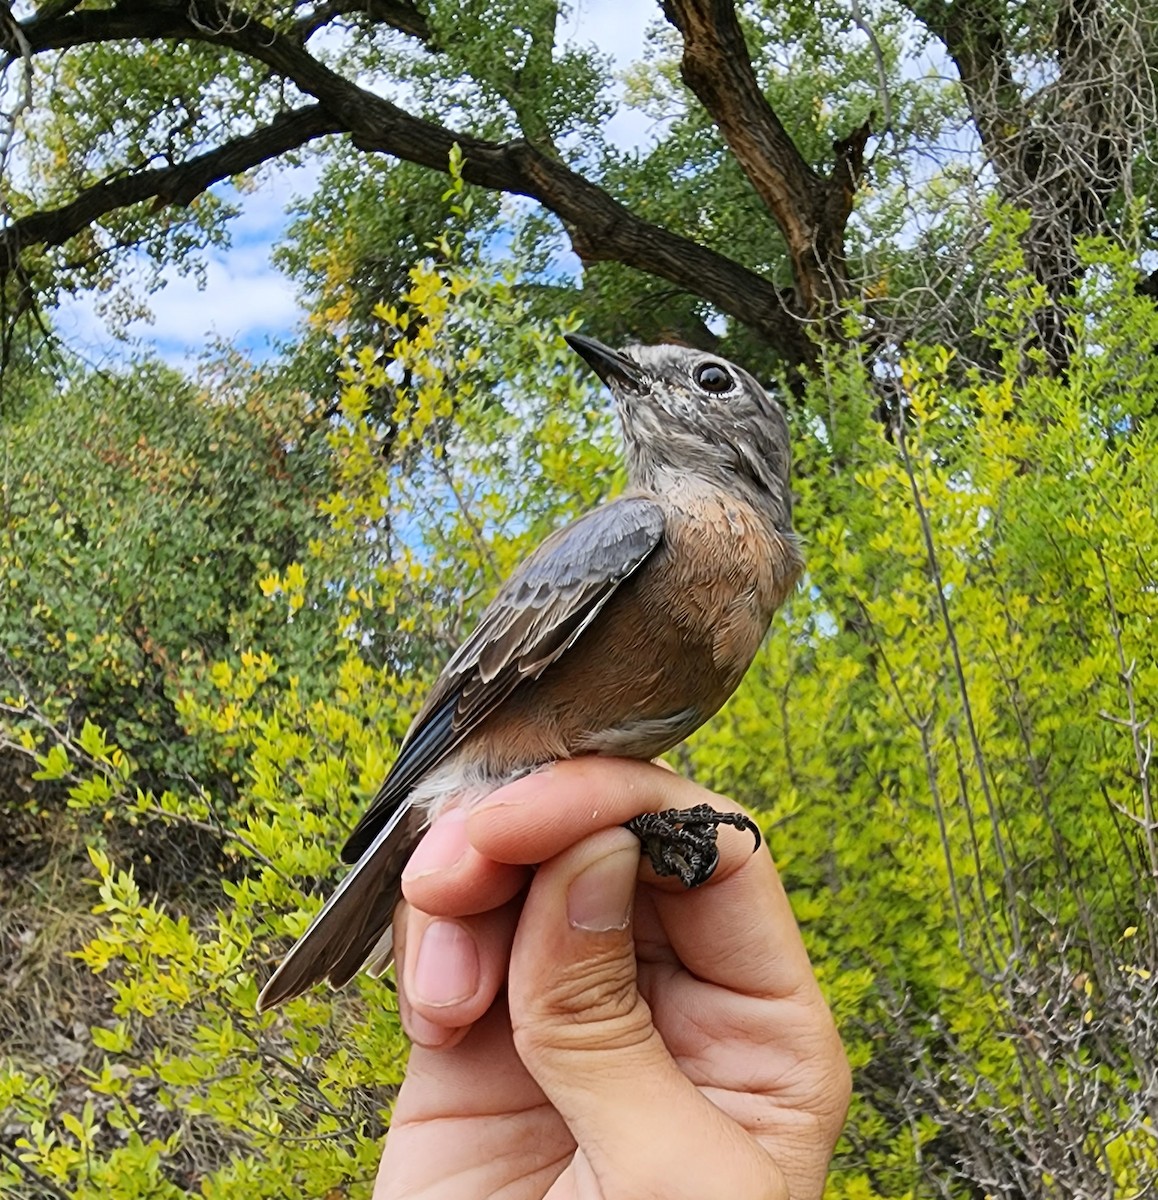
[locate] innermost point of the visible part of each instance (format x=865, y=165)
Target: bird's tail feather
x=354, y=925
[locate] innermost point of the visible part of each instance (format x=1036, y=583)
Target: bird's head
x=689, y=414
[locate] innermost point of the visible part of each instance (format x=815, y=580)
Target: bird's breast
x=728, y=571
x=669, y=647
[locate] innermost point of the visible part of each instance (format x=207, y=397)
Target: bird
x=620, y=634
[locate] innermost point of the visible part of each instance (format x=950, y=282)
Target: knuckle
x=587, y=1004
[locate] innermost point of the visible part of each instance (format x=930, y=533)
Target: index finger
x=737, y=930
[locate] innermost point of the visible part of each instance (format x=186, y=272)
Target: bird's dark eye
x=714, y=378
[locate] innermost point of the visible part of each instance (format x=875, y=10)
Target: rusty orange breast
x=666, y=652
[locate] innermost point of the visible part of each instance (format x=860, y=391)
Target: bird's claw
x=682, y=842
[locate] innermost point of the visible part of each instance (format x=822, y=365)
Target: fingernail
x=599, y=899
x=443, y=846
x=447, y=970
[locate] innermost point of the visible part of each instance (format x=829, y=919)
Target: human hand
x=653, y=1042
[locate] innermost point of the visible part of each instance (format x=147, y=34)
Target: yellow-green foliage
x=946, y=736
x=951, y=737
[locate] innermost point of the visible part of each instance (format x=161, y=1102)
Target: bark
x=811, y=209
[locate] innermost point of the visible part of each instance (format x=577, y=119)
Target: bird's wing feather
x=536, y=616
x=354, y=923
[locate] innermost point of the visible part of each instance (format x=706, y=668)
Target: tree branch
x=1060, y=147
x=398, y=14
x=972, y=35
x=810, y=210
x=169, y=185
x=601, y=229
x=11, y=32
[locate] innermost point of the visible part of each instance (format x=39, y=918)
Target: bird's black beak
x=609, y=365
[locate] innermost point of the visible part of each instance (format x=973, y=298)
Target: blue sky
x=246, y=300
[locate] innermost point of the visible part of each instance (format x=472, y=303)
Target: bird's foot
x=683, y=841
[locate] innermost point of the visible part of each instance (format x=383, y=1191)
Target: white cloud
x=263, y=210
x=618, y=28
x=245, y=300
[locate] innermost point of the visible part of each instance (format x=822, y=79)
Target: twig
x=858, y=19
x=962, y=686
x=31, y=1173
x=1143, y=755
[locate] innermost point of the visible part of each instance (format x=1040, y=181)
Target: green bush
x=947, y=739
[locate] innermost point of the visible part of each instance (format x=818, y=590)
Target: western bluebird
x=620, y=634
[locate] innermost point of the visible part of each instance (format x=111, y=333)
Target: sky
x=245, y=300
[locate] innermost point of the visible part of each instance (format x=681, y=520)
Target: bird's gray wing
x=355, y=922
x=536, y=616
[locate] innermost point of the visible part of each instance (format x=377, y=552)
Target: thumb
x=585, y=1034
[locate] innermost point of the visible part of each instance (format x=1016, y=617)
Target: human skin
x=587, y=1031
